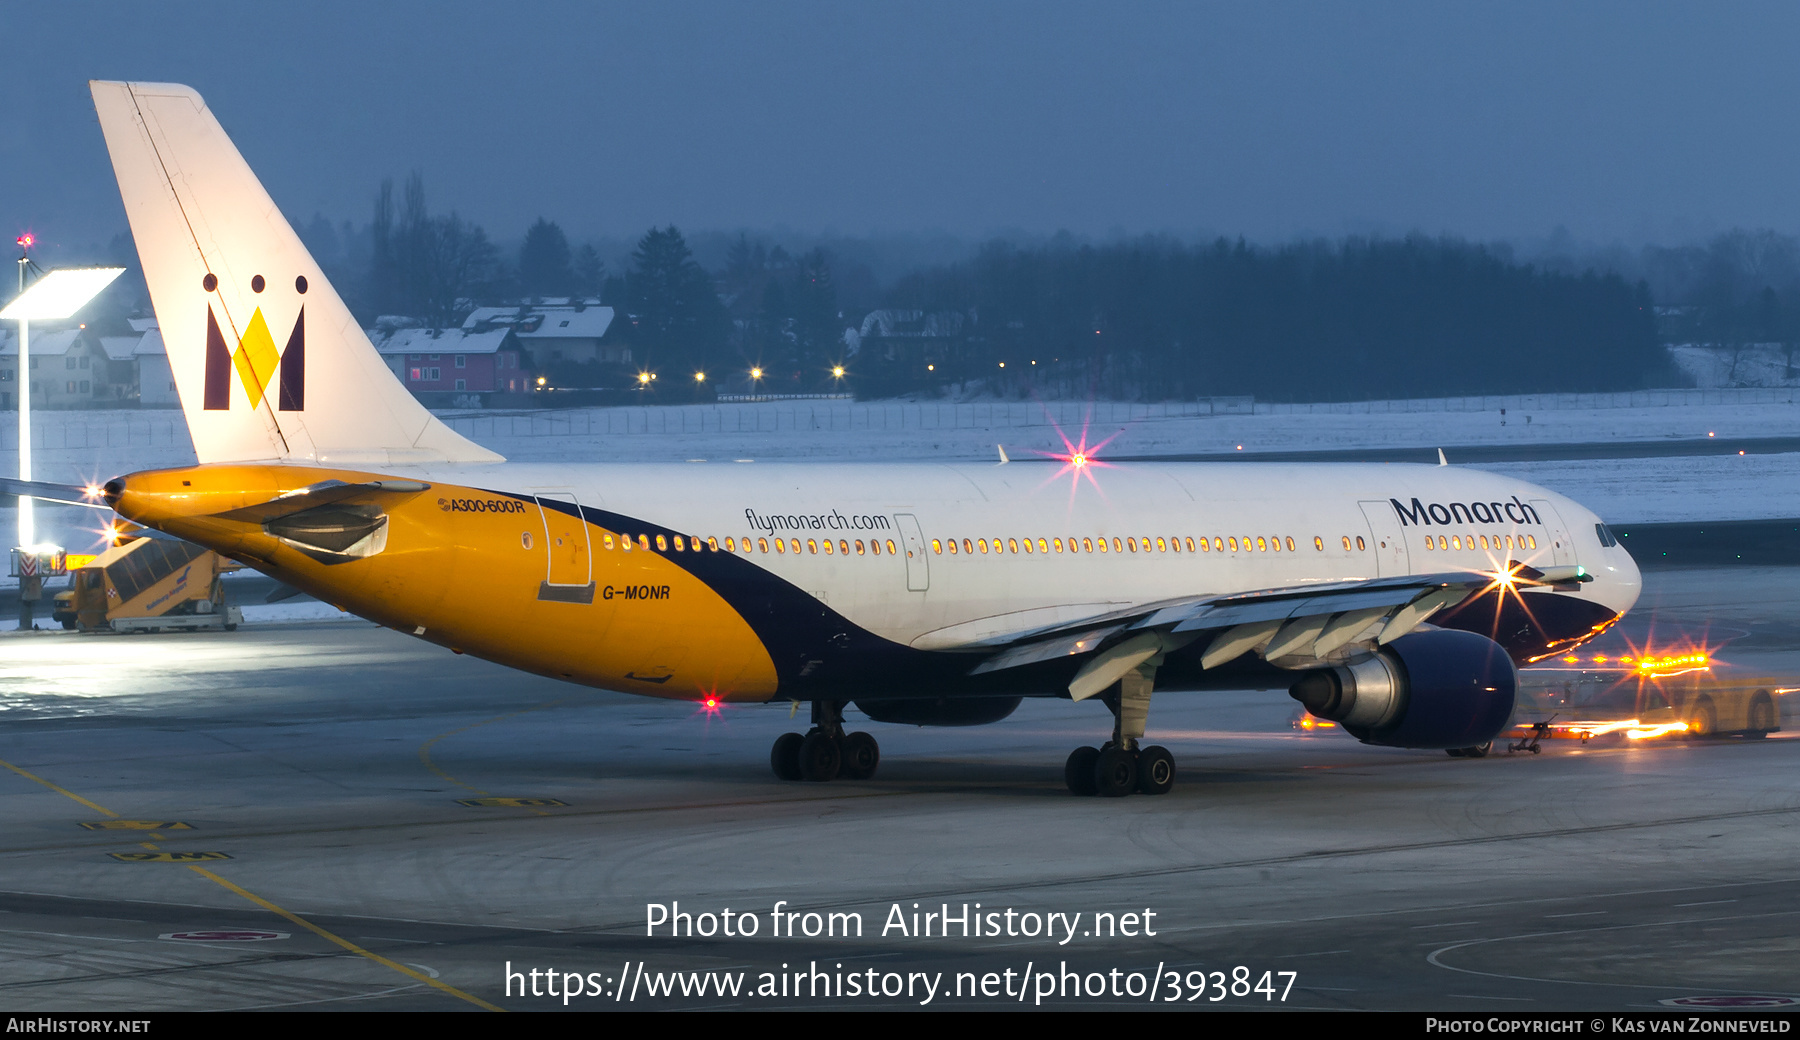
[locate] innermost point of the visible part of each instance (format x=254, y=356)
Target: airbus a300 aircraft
x=1395, y=600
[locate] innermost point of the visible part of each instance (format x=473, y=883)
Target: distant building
x=908, y=337
x=442, y=365
x=120, y=370
x=68, y=370
x=556, y=331
x=155, y=378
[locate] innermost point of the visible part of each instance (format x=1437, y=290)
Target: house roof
x=912, y=324
x=440, y=341
x=53, y=344
x=120, y=348
x=545, y=321
x=150, y=343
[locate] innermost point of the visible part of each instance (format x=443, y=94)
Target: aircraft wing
x=1304, y=621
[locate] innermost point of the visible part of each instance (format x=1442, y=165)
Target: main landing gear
x=825, y=752
x=1121, y=766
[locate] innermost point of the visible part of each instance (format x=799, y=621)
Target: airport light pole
x=54, y=296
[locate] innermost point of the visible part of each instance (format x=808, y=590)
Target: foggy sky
x=1619, y=121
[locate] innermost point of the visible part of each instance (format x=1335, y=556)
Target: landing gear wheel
x=1078, y=772
x=1115, y=773
x=1156, y=771
x=784, y=757
x=820, y=757
x=1478, y=751
x=861, y=755
x=1455, y=752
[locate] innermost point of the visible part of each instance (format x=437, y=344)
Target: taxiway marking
x=425, y=749
x=345, y=943
x=34, y=778
x=1434, y=958
x=135, y=825
x=254, y=898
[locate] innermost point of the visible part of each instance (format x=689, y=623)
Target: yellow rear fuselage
x=468, y=568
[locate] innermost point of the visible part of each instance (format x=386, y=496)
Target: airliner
x=1395, y=600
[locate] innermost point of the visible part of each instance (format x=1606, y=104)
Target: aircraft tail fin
x=268, y=360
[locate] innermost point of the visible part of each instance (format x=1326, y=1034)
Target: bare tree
x=427, y=267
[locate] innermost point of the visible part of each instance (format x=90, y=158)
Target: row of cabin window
x=843, y=546
x=1229, y=543
x=1145, y=543
x=1524, y=541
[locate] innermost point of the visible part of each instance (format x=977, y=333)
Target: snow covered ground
x=1752, y=364
x=291, y=611
x=81, y=446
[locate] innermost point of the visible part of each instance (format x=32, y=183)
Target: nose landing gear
x=825, y=752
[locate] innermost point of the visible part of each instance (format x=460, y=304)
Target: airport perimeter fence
x=52, y=430
x=1543, y=402
x=819, y=416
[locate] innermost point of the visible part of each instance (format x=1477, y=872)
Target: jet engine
x=1436, y=689
x=940, y=711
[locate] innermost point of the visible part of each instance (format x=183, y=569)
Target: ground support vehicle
x=1696, y=703
x=149, y=585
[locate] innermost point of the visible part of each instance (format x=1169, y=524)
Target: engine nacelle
x=940, y=711
x=1438, y=689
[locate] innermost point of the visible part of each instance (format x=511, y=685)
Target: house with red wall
x=453, y=367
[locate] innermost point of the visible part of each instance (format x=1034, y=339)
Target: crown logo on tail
x=256, y=362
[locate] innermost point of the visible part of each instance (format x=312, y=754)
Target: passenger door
x=1562, y=547
x=1391, y=555
x=569, y=567
x=918, y=567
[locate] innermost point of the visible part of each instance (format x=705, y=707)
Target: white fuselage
x=1264, y=525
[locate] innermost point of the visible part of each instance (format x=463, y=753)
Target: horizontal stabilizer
x=326, y=492
x=43, y=491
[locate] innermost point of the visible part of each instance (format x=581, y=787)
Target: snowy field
x=1752, y=364
x=82, y=446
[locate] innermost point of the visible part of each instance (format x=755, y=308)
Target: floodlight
x=60, y=294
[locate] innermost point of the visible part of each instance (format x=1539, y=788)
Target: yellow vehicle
x=149, y=585
x=1696, y=702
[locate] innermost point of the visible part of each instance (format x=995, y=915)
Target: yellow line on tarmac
x=345, y=943
x=425, y=748
x=102, y=810
x=271, y=907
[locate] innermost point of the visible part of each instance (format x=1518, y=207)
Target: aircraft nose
x=1619, y=580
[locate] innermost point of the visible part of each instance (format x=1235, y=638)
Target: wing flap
x=1049, y=649
x=1284, y=609
x=1275, y=622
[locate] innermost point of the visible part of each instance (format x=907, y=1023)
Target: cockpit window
x=1606, y=536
